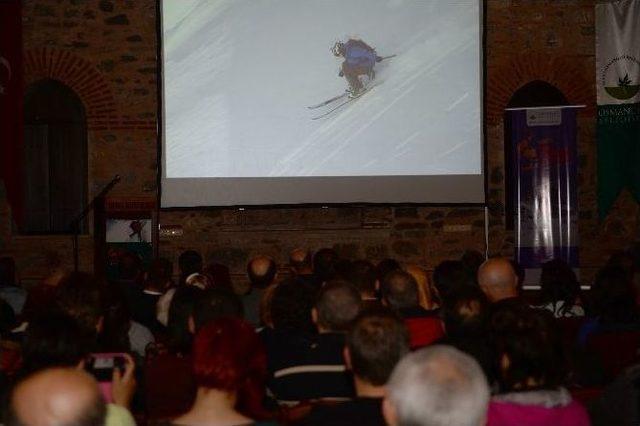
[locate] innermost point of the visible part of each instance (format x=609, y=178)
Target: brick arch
x=574, y=78
x=81, y=76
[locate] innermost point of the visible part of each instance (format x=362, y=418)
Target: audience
x=317, y=369
x=449, y=277
x=531, y=370
x=301, y=262
x=498, y=280
x=559, y=290
x=437, y=386
x=229, y=365
x=58, y=396
x=329, y=338
x=262, y=272
x=375, y=343
x=362, y=275
x=324, y=265
x=400, y=292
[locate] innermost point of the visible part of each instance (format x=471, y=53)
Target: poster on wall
x=544, y=153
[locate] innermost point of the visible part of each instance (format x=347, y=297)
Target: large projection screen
x=243, y=82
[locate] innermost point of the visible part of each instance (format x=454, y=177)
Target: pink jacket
x=507, y=412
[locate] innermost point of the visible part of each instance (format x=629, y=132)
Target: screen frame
x=350, y=204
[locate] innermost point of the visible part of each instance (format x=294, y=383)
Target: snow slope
x=239, y=75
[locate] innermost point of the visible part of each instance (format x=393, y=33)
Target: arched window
x=536, y=93
x=55, y=145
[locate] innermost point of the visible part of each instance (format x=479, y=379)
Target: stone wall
x=106, y=52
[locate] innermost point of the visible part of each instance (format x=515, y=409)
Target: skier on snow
x=359, y=59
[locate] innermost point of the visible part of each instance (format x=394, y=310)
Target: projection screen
x=270, y=102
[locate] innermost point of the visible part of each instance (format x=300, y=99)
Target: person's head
x=399, y=290
x=384, y=267
x=338, y=48
x=558, y=283
x=497, y=279
x=449, y=277
x=81, y=296
x=362, y=274
x=189, y=262
x=301, y=261
x=181, y=309
x=471, y=260
x=116, y=324
x=219, y=274
x=528, y=351
x=291, y=306
x=7, y=271
x=426, y=296
x=613, y=296
x=129, y=266
x=465, y=315
x=158, y=276
x=229, y=356
x=57, y=397
x=200, y=281
x=375, y=343
x=53, y=339
x=261, y=271
x=436, y=386
x=324, y=264
x=215, y=303
x=337, y=306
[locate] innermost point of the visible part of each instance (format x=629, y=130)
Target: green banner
x=618, y=92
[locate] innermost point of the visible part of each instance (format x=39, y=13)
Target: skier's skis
x=343, y=103
x=328, y=101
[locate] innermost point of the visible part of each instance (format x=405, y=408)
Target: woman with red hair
x=229, y=365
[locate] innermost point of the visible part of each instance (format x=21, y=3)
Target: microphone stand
x=74, y=226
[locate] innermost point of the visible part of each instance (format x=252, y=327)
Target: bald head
x=301, y=261
x=261, y=271
x=497, y=279
x=57, y=396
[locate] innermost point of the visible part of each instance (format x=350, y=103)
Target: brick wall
x=105, y=51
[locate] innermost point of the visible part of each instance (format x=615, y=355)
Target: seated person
x=230, y=366
x=400, y=293
x=375, y=343
x=559, y=290
x=531, y=368
x=318, y=370
x=170, y=386
x=437, y=386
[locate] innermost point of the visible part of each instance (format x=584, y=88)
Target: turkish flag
x=11, y=126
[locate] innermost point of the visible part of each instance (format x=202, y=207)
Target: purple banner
x=544, y=194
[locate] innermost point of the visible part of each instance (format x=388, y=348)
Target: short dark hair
x=400, y=290
x=215, y=303
x=377, y=340
x=265, y=279
x=324, y=264
x=53, y=339
x=159, y=273
x=189, y=262
x=81, y=296
x=291, y=306
x=362, y=274
x=385, y=266
x=613, y=296
x=181, y=308
x=449, y=277
x=338, y=304
x=558, y=282
x=530, y=340
x=466, y=314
